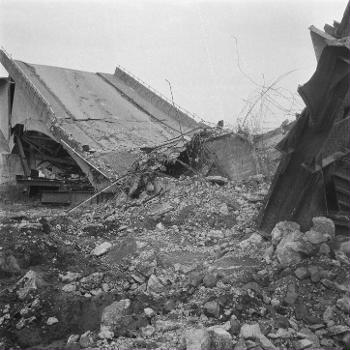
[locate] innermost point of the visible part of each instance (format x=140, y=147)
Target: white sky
x=189, y=42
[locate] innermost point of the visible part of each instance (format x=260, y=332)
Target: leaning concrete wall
x=233, y=155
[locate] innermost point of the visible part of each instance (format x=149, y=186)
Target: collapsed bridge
x=65, y=124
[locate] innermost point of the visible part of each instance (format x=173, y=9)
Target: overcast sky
x=189, y=42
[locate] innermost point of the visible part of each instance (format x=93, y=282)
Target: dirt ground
x=187, y=259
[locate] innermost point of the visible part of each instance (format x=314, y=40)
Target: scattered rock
x=113, y=315
x=338, y=329
x=32, y=280
x=86, y=340
x=149, y=312
x=92, y=281
x=69, y=288
x=345, y=248
x=289, y=247
x=220, y=339
x=195, y=278
x=154, y=285
x=315, y=274
x=51, y=320
x=101, y=249
x=196, y=339
x=324, y=249
x=148, y=331
x=210, y=280
x=323, y=225
x=8, y=264
x=282, y=229
x=252, y=331
x=291, y=295
x=254, y=240
x=160, y=226
x=302, y=273
x=105, y=332
x=235, y=325
x=344, y=304
x=212, y=309
x=70, y=276
x=315, y=237
x=303, y=344
x=73, y=338
x=328, y=316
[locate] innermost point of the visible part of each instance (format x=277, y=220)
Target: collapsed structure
x=63, y=124
x=67, y=133
x=313, y=177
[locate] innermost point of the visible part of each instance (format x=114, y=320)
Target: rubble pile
x=182, y=266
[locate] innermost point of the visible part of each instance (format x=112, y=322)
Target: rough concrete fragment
x=328, y=316
x=73, y=338
x=344, y=304
x=196, y=339
x=154, y=285
x=324, y=249
x=338, y=329
x=212, y=308
x=315, y=274
x=8, y=264
x=105, y=332
x=70, y=276
x=291, y=295
x=220, y=339
x=252, y=331
x=323, y=225
x=303, y=344
x=210, y=280
x=315, y=237
x=235, y=325
x=287, y=250
x=51, y=320
x=69, y=288
x=254, y=240
x=113, y=314
x=345, y=248
x=101, y=249
x=30, y=281
x=301, y=273
x=148, y=331
x=282, y=229
x=86, y=340
x=149, y=312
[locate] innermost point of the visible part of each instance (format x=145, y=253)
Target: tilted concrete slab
x=111, y=116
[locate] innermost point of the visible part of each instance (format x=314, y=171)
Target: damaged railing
x=149, y=87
